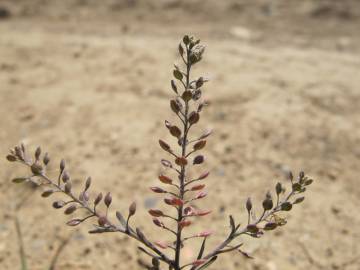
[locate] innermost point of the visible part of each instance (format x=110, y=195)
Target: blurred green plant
x=182, y=191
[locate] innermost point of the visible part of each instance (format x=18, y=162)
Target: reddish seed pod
x=102, y=220
x=199, y=145
x=164, y=179
x=98, y=198
x=157, y=190
x=71, y=209
x=108, y=199
x=201, y=195
x=204, y=234
x=203, y=175
x=181, y=161
x=156, y=213
x=197, y=187
x=174, y=201
x=198, y=262
x=194, y=118
x=161, y=244
x=73, y=222
x=164, y=146
x=202, y=213
x=185, y=223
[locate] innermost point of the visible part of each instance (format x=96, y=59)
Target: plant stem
x=183, y=170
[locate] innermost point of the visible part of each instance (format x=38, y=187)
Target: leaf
x=202, y=249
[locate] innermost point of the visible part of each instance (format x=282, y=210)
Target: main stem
x=183, y=170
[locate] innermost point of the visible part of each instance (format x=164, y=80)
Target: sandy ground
x=90, y=83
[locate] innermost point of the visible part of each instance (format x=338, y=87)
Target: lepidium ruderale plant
x=180, y=192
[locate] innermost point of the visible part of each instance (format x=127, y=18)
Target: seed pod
x=87, y=183
x=102, y=220
x=286, y=206
x=301, y=175
x=11, y=158
x=175, y=131
x=181, y=161
x=308, y=182
x=197, y=187
x=166, y=163
x=181, y=49
x=174, y=201
x=184, y=223
x=202, y=213
x=296, y=187
x=270, y=226
x=278, y=188
x=161, y=244
x=46, y=159
x=19, y=180
x=174, y=106
x=177, y=74
x=68, y=187
x=198, y=160
x=86, y=196
x=74, y=222
x=164, y=179
x=252, y=228
x=19, y=153
x=157, y=222
x=204, y=234
x=173, y=86
x=194, y=118
x=186, y=39
x=58, y=204
x=98, y=198
x=164, y=146
x=156, y=213
x=71, y=209
x=132, y=209
x=37, y=169
x=291, y=177
x=157, y=190
x=199, y=82
x=201, y=195
x=248, y=205
x=196, y=94
x=65, y=176
x=299, y=200
x=198, y=262
x=268, y=203
x=37, y=153
x=47, y=193
x=108, y=199
x=62, y=165
x=199, y=145
x=203, y=175
x=187, y=95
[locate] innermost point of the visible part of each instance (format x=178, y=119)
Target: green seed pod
x=286, y=206
x=278, y=188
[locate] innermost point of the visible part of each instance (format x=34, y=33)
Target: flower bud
x=46, y=159
x=173, y=86
x=157, y=190
x=278, y=188
x=102, y=220
x=47, y=193
x=268, y=203
x=164, y=179
x=62, y=165
x=201, y=195
x=65, y=176
x=197, y=187
x=58, y=204
x=157, y=222
x=203, y=175
x=161, y=244
x=204, y=234
x=68, y=187
x=98, y=199
x=37, y=153
x=248, y=205
x=37, y=169
x=164, y=145
x=286, y=206
x=108, y=199
x=174, y=106
x=87, y=183
x=132, y=209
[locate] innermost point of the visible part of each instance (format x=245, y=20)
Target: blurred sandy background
x=89, y=81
